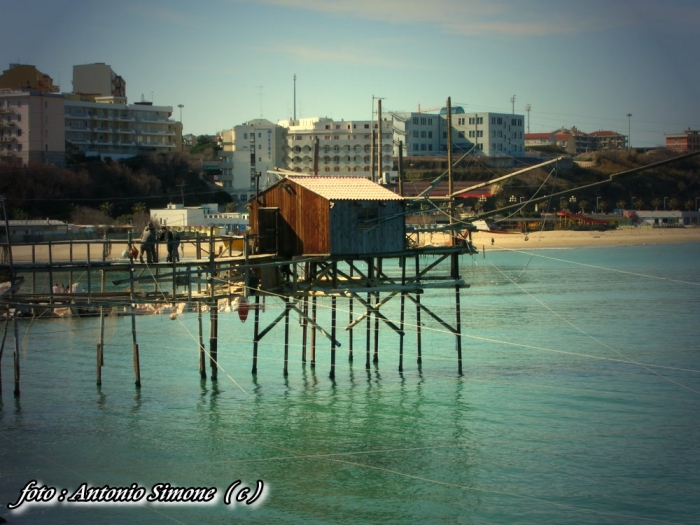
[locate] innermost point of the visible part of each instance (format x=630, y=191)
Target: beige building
x=32, y=128
x=36, y=121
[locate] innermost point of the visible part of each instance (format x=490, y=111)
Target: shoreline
x=574, y=239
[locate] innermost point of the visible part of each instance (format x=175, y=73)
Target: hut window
x=367, y=217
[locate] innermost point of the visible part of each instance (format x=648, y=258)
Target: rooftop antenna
x=512, y=101
x=295, y=96
x=261, y=95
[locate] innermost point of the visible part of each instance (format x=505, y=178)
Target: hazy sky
x=577, y=63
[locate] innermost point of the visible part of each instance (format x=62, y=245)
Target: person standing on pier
x=148, y=243
x=166, y=236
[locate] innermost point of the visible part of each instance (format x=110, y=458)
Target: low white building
x=180, y=217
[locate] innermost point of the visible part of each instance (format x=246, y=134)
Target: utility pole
x=379, y=142
x=450, y=177
x=528, y=107
x=629, y=131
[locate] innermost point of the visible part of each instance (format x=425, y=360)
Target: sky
x=585, y=64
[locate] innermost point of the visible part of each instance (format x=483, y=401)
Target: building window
x=367, y=217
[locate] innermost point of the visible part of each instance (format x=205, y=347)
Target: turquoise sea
x=579, y=403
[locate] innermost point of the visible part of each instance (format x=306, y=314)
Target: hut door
x=267, y=229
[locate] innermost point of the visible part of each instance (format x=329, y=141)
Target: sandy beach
x=570, y=238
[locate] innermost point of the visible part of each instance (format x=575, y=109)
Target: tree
x=107, y=208
x=656, y=202
x=139, y=207
x=582, y=205
x=673, y=204
x=602, y=205
x=621, y=204
x=639, y=204
x=689, y=205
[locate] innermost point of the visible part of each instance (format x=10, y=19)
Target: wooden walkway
x=215, y=275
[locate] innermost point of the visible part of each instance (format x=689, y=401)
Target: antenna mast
x=295, y=96
x=528, y=107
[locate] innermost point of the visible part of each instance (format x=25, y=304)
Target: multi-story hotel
x=36, y=121
x=248, y=152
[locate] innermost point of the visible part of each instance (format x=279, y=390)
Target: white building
x=494, y=134
x=109, y=127
x=248, y=152
x=345, y=147
x=178, y=216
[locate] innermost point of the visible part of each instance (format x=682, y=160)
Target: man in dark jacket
x=148, y=243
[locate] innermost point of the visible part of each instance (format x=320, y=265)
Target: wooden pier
x=220, y=271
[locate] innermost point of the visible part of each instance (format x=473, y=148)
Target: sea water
x=579, y=402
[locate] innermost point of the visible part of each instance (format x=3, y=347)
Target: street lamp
x=633, y=202
x=696, y=204
x=513, y=199
x=596, y=204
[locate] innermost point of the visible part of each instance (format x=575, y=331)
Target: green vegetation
x=114, y=191
x=675, y=185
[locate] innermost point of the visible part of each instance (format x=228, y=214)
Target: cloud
x=508, y=17
x=161, y=15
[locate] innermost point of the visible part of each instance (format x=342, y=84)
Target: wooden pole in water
x=350, y=319
x=100, y=347
x=34, y=273
x=202, y=356
x=418, y=326
x=70, y=258
x=402, y=261
x=89, y=282
x=304, y=327
x=135, y=345
x=458, y=313
x=213, y=340
x=368, y=324
x=256, y=336
x=51, y=275
x=333, y=327
x=287, y=306
x=313, y=331
x=375, y=357
x=16, y=355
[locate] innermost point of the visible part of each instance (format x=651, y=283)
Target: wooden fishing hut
x=331, y=237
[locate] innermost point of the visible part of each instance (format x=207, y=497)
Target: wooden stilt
x=458, y=313
x=51, y=283
x=135, y=345
x=16, y=355
x=100, y=347
x=304, y=327
x=350, y=318
x=370, y=275
x=286, y=336
x=34, y=273
x=333, y=315
x=313, y=331
x=202, y=353
x=375, y=357
x=256, y=326
x=402, y=261
x=213, y=340
x=418, y=322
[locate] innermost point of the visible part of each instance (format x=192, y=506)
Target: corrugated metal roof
x=346, y=188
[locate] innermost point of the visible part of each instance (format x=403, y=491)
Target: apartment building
x=345, y=147
x=490, y=134
x=248, y=152
x=31, y=128
x=36, y=121
x=574, y=141
x=688, y=140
